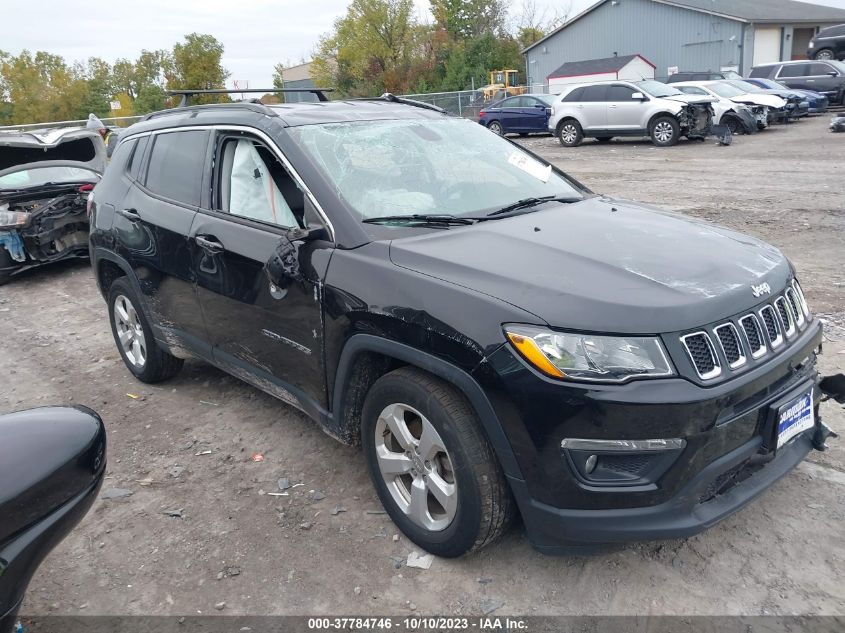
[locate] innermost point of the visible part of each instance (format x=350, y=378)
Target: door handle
x=209, y=243
x=130, y=214
x=611, y=106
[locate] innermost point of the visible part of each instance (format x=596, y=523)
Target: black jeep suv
x=497, y=337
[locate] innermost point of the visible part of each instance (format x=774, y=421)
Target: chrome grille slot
x=803, y=301
x=731, y=345
x=773, y=326
x=786, y=316
x=795, y=307
x=702, y=354
x=753, y=335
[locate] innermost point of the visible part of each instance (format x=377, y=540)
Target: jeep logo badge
x=762, y=289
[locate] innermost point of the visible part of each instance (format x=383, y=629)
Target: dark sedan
x=818, y=102
x=523, y=114
x=797, y=105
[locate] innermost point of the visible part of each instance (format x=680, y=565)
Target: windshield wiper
x=527, y=203
x=424, y=218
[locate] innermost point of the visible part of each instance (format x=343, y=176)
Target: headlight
x=13, y=220
x=588, y=356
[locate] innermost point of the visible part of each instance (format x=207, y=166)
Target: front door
x=267, y=335
x=623, y=112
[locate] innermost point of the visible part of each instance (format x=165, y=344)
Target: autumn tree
x=197, y=63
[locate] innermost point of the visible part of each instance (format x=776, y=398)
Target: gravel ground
x=303, y=554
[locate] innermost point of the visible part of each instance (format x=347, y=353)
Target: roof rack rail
x=389, y=96
x=190, y=92
x=247, y=105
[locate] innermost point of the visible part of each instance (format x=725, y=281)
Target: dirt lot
x=236, y=544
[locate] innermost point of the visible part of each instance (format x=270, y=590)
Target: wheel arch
x=659, y=115
x=565, y=119
x=365, y=358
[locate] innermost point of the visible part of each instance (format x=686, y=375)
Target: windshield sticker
x=531, y=166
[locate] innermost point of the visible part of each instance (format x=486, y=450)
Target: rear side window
x=619, y=93
x=794, y=70
x=760, y=71
x=176, y=165
x=833, y=31
x=133, y=167
x=594, y=93
x=575, y=95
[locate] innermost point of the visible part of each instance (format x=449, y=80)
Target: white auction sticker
x=531, y=166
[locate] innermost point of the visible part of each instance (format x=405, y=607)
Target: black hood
x=603, y=265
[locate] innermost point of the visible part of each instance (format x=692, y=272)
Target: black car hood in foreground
x=603, y=265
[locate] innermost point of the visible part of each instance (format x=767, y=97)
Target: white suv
x=622, y=108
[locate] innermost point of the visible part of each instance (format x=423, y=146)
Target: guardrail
x=119, y=121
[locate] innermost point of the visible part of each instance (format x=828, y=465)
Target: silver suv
x=622, y=108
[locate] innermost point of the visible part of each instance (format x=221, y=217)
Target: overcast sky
x=256, y=33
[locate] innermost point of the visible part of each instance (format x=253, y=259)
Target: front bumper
x=726, y=428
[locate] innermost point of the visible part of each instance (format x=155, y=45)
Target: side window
x=122, y=154
x=133, y=167
x=575, y=95
x=594, y=93
x=619, y=93
x=176, y=165
x=252, y=183
x=760, y=71
x=508, y=103
x=794, y=70
x=820, y=69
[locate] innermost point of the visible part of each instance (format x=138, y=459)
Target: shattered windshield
x=657, y=89
x=406, y=167
x=38, y=176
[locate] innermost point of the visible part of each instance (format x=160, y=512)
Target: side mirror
x=52, y=462
x=639, y=96
x=833, y=73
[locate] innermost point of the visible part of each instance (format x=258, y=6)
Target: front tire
x=665, y=131
x=569, y=133
x=432, y=467
x=134, y=337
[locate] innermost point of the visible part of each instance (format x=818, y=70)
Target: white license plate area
x=795, y=417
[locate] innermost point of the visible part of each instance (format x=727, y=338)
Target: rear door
x=794, y=75
x=269, y=336
x=593, y=108
x=623, y=112
x=511, y=114
x=151, y=228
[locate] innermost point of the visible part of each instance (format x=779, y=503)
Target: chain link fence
x=466, y=103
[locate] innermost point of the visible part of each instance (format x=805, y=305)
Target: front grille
x=773, y=328
x=731, y=345
x=751, y=335
x=702, y=354
x=754, y=335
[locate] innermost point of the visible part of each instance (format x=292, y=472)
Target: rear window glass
x=176, y=165
x=594, y=93
x=134, y=166
x=575, y=95
x=762, y=71
x=81, y=150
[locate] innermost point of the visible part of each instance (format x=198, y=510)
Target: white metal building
x=628, y=67
x=687, y=35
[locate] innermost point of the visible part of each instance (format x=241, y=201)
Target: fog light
x=590, y=464
x=615, y=463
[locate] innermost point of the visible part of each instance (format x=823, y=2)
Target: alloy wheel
x=496, y=128
x=663, y=132
x=569, y=133
x=416, y=467
x=130, y=333
x=824, y=55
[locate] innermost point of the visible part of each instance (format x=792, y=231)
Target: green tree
x=373, y=48
x=197, y=63
x=468, y=19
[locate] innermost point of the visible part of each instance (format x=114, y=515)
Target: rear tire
x=825, y=54
x=496, y=128
x=450, y=499
x=665, y=131
x=134, y=337
x=569, y=133
x=6, y=262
